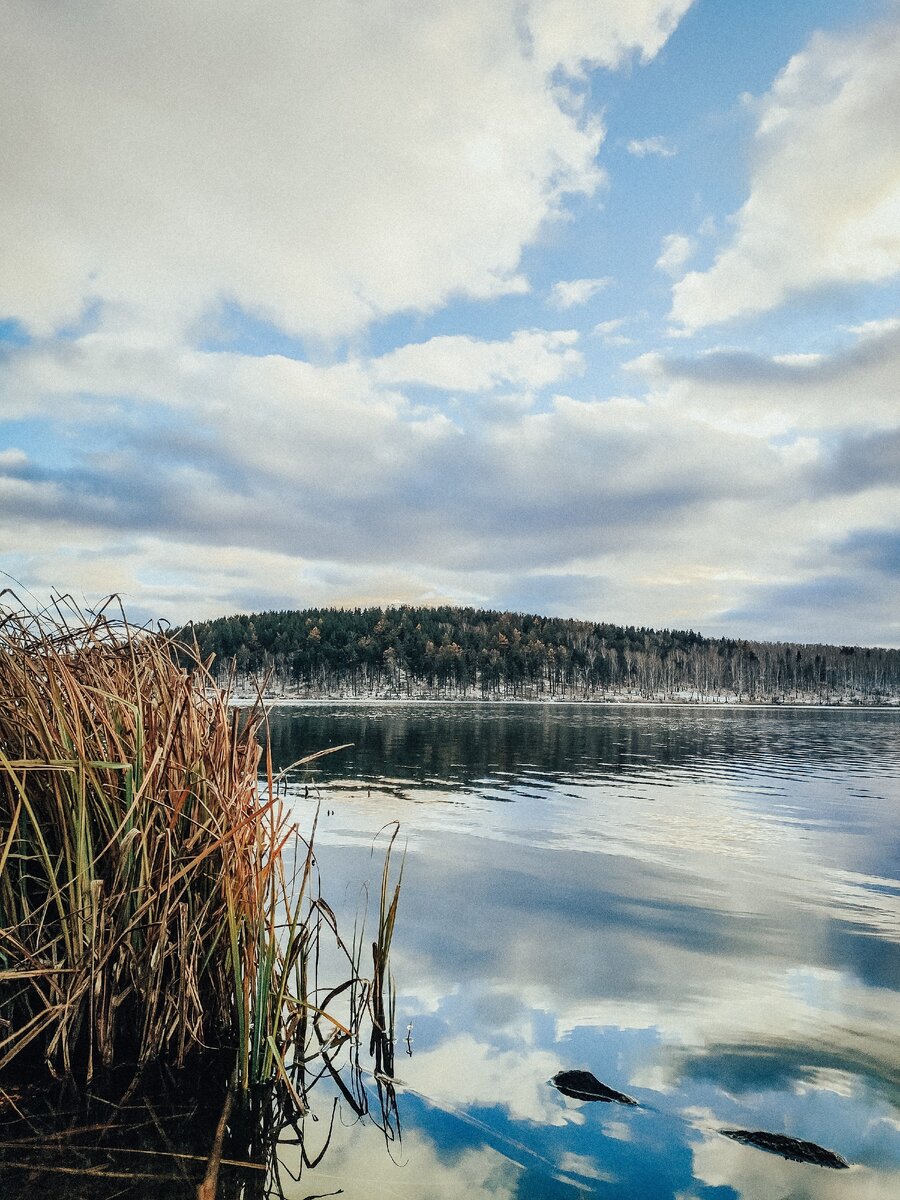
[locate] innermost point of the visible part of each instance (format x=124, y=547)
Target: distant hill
x=468, y=652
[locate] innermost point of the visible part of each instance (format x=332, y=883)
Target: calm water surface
x=701, y=907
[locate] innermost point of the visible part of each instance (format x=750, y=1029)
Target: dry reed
x=146, y=912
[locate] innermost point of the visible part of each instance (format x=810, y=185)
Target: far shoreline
x=247, y=700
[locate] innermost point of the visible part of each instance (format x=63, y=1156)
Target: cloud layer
x=729, y=479
x=824, y=203
x=321, y=166
x=405, y=201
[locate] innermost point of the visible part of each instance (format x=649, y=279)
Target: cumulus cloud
x=641, y=147
x=573, y=35
x=611, y=332
x=567, y=293
x=675, y=251
x=531, y=358
x=319, y=165
x=824, y=203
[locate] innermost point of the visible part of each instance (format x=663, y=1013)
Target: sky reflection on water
x=700, y=907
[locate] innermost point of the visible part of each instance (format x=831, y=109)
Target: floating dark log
x=582, y=1085
x=788, y=1147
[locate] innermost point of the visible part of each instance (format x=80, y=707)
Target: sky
x=589, y=308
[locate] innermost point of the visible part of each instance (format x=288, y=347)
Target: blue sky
x=590, y=307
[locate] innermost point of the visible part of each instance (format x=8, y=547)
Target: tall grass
x=147, y=911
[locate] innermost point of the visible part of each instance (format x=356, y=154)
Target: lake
x=700, y=906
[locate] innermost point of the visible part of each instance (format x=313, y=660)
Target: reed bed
x=155, y=901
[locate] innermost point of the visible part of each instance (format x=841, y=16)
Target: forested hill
x=467, y=652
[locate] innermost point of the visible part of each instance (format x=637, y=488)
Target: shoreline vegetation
x=449, y=654
x=259, y=692
x=159, y=908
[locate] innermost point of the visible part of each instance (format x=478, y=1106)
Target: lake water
x=699, y=906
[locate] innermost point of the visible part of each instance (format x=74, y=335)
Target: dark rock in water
x=582, y=1085
x=787, y=1147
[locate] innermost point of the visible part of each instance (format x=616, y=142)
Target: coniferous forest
x=468, y=653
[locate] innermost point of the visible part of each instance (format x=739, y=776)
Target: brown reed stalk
x=145, y=909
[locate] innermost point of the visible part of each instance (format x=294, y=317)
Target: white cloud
x=798, y=360
x=573, y=34
x=735, y=473
x=531, y=358
x=675, y=251
x=875, y=328
x=605, y=328
x=362, y=1165
x=824, y=203
x=584, y=1167
x=327, y=165
x=357, y=473
x=641, y=147
x=464, y=1072
x=611, y=332
x=320, y=165
x=567, y=293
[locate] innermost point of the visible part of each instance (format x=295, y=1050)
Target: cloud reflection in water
x=699, y=907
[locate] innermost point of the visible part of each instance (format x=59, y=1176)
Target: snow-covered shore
x=243, y=697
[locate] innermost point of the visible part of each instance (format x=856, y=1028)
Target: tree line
x=470, y=653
